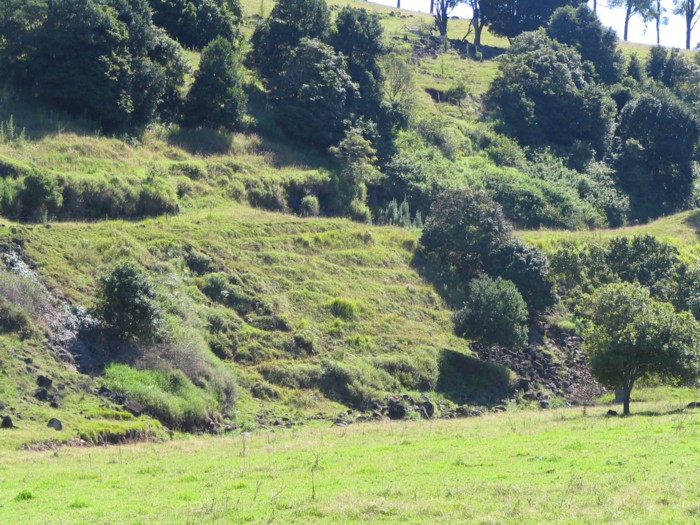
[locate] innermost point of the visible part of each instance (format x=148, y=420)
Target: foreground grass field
x=561, y=466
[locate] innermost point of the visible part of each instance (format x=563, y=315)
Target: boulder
x=694, y=404
x=135, y=408
x=7, y=422
x=41, y=394
x=44, y=381
x=396, y=410
x=611, y=413
x=55, y=424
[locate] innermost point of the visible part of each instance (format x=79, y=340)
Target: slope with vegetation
x=148, y=273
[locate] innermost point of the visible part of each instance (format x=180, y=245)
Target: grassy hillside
x=682, y=230
x=306, y=315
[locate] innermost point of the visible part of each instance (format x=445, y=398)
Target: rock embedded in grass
x=7, y=422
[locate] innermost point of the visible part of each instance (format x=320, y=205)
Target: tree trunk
x=476, y=21
x=595, y=6
x=398, y=4
x=658, y=22
x=432, y=6
x=628, y=15
x=627, y=392
x=690, y=11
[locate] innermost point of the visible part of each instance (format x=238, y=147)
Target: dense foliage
x=494, y=313
x=127, y=303
x=633, y=337
x=216, y=99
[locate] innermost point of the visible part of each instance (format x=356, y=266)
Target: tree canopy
x=509, y=18
x=543, y=96
x=581, y=29
x=494, y=313
x=216, y=99
x=632, y=337
x=657, y=139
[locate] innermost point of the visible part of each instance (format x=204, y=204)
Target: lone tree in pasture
x=634, y=337
x=494, y=314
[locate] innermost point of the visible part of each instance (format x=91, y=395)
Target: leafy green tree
x=275, y=39
x=358, y=36
x=195, y=23
x=466, y=234
x=542, y=97
x=657, y=138
x=493, y=314
x=633, y=337
x=632, y=8
x=358, y=159
x=581, y=29
x=316, y=94
x=528, y=268
x=509, y=18
x=216, y=98
x=643, y=259
x=97, y=58
x=169, y=54
x=127, y=302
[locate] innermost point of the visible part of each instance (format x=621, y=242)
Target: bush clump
x=344, y=308
x=127, y=303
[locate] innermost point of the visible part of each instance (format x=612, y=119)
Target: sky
x=672, y=34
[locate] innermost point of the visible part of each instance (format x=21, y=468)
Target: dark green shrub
x=216, y=99
x=494, y=314
x=40, y=195
x=199, y=263
x=467, y=379
x=127, y=303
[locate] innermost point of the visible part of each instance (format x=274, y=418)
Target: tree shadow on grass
x=200, y=141
x=693, y=220
x=466, y=379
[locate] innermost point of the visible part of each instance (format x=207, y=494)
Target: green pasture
x=558, y=466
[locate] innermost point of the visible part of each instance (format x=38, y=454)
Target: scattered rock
x=544, y=403
x=396, y=410
x=135, y=408
x=55, y=424
x=44, y=381
x=7, y=422
x=612, y=413
x=41, y=394
x=499, y=408
x=694, y=404
x=104, y=392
